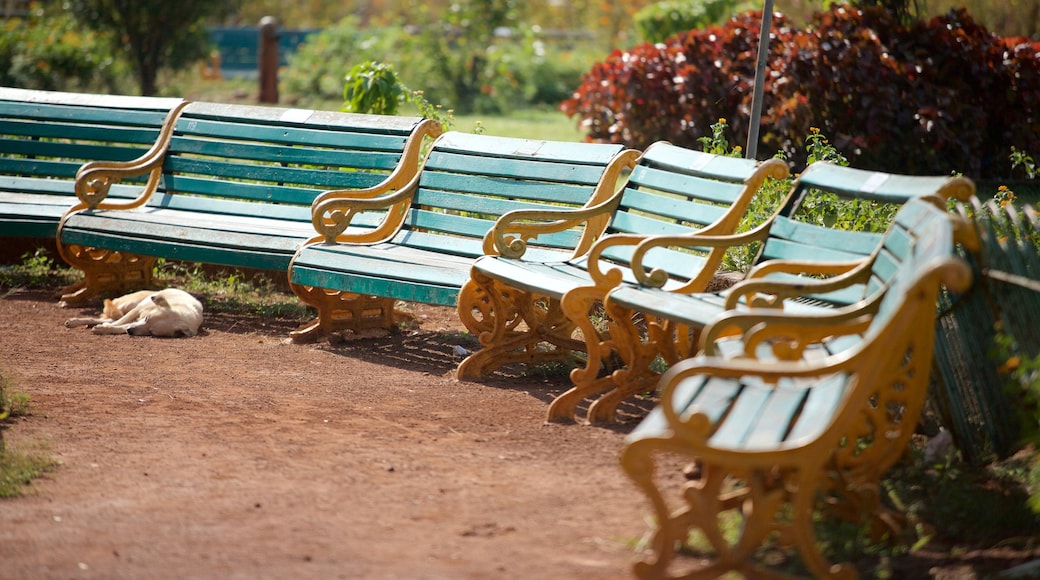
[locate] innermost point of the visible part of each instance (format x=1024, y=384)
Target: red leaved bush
x=933, y=97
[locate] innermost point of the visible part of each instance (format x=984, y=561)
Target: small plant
x=36, y=270
x=1025, y=161
x=717, y=143
x=17, y=468
x=374, y=87
x=232, y=292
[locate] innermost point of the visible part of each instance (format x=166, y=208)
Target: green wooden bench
x=513, y=302
x=779, y=440
x=46, y=136
x=801, y=267
x=232, y=186
x=436, y=226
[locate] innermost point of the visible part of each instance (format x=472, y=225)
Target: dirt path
x=237, y=455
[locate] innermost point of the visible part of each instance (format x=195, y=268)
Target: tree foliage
x=46, y=49
x=153, y=34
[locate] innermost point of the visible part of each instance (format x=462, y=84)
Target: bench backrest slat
x=266, y=175
x=469, y=181
x=47, y=136
x=925, y=240
x=275, y=155
x=792, y=239
x=677, y=191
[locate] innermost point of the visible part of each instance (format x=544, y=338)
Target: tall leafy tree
x=153, y=34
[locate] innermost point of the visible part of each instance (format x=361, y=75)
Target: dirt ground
x=236, y=454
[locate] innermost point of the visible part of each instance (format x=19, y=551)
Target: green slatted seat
x=437, y=225
x=234, y=187
x=46, y=136
x=778, y=441
x=672, y=191
x=801, y=267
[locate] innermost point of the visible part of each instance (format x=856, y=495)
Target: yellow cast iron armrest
x=332, y=217
x=509, y=236
x=401, y=175
x=804, y=267
x=698, y=427
x=333, y=210
x=794, y=332
x=657, y=277
x=94, y=179
x=760, y=293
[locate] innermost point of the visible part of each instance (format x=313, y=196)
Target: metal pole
x=751, y=151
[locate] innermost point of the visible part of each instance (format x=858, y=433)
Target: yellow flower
x=722, y=120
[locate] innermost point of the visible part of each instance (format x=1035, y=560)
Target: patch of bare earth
x=236, y=454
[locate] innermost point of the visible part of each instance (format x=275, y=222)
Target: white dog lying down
x=168, y=313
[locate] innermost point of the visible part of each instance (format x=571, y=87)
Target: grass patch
x=537, y=123
x=36, y=270
x=232, y=292
x=18, y=468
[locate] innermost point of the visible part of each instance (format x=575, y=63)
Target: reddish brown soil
x=236, y=454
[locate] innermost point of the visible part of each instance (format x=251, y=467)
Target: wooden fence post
x=268, y=60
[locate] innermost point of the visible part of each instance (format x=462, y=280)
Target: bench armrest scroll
x=94, y=179
x=758, y=292
x=511, y=232
x=657, y=277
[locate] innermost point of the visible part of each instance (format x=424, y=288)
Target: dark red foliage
x=934, y=97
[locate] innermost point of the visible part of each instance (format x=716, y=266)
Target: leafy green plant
x=36, y=270
x=717, y=143
x=232, y=292
x=373, y=87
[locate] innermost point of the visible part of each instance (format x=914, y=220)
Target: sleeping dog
x=167, y=313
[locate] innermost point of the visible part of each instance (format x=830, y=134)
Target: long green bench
x=46, y=137
x=232, y=186
x=513, y=302
x=779, y=441
x=801, y=267
x=436, y=226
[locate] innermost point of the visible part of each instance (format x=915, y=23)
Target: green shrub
x=926, y=97
x=660, y=20
x=469, y=74
x=316, y=71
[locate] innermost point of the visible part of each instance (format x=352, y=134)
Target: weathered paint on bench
x=47, y=136
x=777, y=440
x=800, y=267
x=436, y=225
x=232, y=186
x=672, y=191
